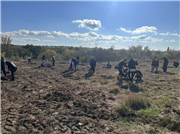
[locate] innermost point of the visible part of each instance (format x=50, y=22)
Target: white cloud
x=140, y=37
x=26, y=39
x=36, y=33
x=143, y=29
x=49, y=40
x=88, y=24
x=174, y=34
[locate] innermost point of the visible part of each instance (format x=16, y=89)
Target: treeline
x=15, y=52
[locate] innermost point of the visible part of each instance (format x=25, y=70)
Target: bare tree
x=5, y=43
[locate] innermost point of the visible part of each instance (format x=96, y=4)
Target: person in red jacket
x=155, y=64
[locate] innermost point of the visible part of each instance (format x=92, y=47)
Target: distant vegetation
x=17, y=52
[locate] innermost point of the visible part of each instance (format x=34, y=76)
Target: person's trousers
x=53, y=63
x=152, y=69
x=12, y=72
x=165, y=68
x=93, y=68
x=29, y=61
x=4, y=71
x=75, y=68
x=131, y=75
x=43, y=63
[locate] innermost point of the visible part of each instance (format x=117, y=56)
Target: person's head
x=92, y=58
x=2, y=58
x=131, y=58
x=125, y=60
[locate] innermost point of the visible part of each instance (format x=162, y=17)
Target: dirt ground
x=53, y=100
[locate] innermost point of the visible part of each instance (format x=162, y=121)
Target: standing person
x=43, y=61
x=75, y=61
x=12, y=67
x=86, y=61
x=155, y=64
x=53, y=60
x=3, y=66
x=93, y=64
x=132, y=68
x=29, y=59
x=120, y=66
x=70, y=64
x=165, y=64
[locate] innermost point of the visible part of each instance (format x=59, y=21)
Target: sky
x=92, y=23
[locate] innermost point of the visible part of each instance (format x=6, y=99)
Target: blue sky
x=82, y=23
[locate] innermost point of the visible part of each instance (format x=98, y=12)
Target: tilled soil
x=54, y=100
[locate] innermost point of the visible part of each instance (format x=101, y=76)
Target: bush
x=137, y=102
x=132, y=103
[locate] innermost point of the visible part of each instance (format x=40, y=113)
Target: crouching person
x=109, y=65
x=176, y=64
x=138, y=75
x=12, y=67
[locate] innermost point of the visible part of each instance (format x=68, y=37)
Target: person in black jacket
x=132, y=68
x=165, y=64
x=12, y=67
x=93, y=64
x=176, y=64
x=75, y=61
x=138, y=74
x=3, y=66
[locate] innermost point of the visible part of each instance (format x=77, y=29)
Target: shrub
x=132, y=103
x=136, y=102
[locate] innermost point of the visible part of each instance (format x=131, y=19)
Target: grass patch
x=132, y=103
x=149, y=111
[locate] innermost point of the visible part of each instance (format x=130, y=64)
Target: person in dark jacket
x=53, y=60
x=77, y=58
x=75, y=61
x=132, y=68
x=12, y=67
x=93, y=64
x=3, y=66
x=165, y=64
x=120, y=66
x=43, y=61
x=138, y=74
x=176, y=64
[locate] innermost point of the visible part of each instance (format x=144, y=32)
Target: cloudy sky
x=82, y=23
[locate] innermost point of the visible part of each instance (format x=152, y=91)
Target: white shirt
x=29, y=57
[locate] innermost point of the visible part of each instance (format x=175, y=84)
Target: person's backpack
x=155, y=62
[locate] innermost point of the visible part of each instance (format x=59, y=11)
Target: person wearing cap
x=3, y=66
x=120, y=66
x=155, y=64
x=12, y=67
x=92, y=64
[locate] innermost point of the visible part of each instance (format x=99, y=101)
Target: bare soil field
x=53, y=100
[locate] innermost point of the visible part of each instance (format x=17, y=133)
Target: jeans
x=152, y=69
x=43, y=63
x=53, y=63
